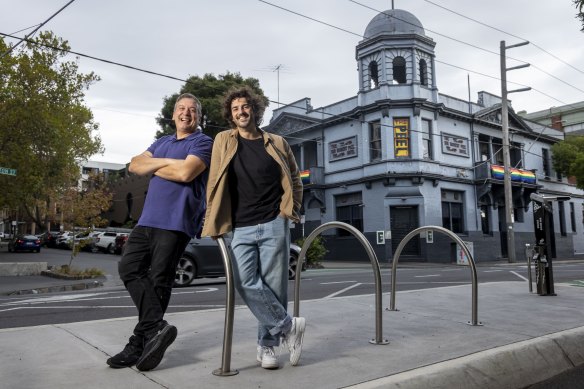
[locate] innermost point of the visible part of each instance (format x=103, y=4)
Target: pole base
x=221, y=373
x=383, y=342
x=479, y=324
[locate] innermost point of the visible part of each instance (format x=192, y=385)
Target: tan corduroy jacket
x=218, y=216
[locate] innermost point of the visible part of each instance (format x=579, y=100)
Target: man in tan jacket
x=254, y=190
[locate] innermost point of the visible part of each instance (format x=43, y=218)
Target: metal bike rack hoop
x=473, y=270
x=224, y=370
x=374, y=263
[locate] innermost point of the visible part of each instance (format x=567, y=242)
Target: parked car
x=119, y=243
x=49, y=238
x=106, y=241
x=24, y=243
x=202, y=258
x=89, y=241
x=84, y=238
x=64, y=239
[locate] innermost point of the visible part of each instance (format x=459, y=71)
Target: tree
x=209, y=90
x=85, y=207
x=46, y=131
x=580, y=7
x=568, y=158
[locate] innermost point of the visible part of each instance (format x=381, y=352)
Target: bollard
x=528, y=255
x=225, y=369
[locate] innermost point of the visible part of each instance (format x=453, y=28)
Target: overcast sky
x=193, y=37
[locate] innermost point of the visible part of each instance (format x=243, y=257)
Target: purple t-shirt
x=178, y=206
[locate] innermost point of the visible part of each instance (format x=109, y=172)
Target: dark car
x=49, y=238
x=202, y=258
x=25, y=243
x=119, y=243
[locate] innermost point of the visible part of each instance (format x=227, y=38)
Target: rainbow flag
x=518, y=175
x=527, y=176
x=305, y=176
x=498, y=172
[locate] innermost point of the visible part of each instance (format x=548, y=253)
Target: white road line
x=428, y=275
x=519, y=275
x=491, y=271
x=108, y=307
x=64, y=299
x=337, y=282
x=342, y=291
x=432, y=282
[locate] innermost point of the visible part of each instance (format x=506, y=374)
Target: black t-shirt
x=254, y=184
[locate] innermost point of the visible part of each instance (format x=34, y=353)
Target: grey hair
x=197, y=104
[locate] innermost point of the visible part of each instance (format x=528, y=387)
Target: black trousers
x=148, y=269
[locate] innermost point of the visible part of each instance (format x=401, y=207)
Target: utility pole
x=506, y=155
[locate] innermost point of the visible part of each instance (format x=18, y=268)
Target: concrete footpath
x=524, y=339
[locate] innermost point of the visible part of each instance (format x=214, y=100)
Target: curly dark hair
x=257, y=105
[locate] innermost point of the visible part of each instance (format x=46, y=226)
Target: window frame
x=375, y=144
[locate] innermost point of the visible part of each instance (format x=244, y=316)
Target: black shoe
x=155, y=347
x=129, y=355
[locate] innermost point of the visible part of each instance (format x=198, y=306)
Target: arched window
x=399, y=70
x=423, y=72
x=373, y=75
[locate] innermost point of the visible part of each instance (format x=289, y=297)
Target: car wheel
x=94, y=249
x=38, y=250
x=186, y=271
x=9, y=249
x=110, y=248
x=293, y=264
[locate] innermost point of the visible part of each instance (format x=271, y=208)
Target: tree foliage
x=568, y=158
x=85, y=207
x=46, y=131
x=210, y=91
x=580, y=15
x=316, y=251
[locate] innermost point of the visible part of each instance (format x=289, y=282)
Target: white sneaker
x=294, y=339
x=267, y=357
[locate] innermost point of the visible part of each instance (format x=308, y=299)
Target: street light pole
x=506, y=154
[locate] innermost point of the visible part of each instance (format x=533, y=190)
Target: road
x=334, y=280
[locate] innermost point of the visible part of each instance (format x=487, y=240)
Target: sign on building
x=401, y=137
x=343, y=148
x=455, y=145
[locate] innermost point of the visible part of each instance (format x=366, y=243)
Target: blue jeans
x=260, y=272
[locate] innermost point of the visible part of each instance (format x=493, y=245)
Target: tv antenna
x=277, y=70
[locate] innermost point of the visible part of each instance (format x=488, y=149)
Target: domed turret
x=395, y=59
x=394, y=21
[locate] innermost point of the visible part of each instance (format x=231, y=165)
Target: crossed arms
x=178, y=170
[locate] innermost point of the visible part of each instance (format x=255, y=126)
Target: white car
x=106, y=241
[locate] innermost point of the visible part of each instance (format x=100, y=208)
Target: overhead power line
x=505, y=32
x=36, y=29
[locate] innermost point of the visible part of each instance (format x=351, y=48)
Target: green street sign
x=7, y=171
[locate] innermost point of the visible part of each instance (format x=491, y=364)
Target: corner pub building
x=400, y=155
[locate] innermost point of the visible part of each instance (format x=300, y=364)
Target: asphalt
x=524, y=339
